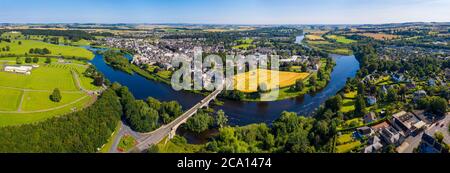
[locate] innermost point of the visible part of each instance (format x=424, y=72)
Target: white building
x=19, y=69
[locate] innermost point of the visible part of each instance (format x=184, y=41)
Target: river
x=238, y=112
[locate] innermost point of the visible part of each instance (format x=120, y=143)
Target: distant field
x=379, y=36
x=340, y=39
x=56, y=50
x=229, y=29
x=244, y=44
x=10, y=99
x=253, y=78
x=316, y=32
x=314, y=37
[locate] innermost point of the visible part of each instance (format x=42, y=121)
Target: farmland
x=340, y=39
x=379, y=36
x=22, y=47
x=314, y=37
x=25, y=98
x=244, y=44
x=261, y=76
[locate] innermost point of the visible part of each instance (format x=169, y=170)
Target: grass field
x=56, y=50
x=345, y=148
x=340, y=39
x=10, y=99
x=33, y=101
x=42, y=78
x=345, y=138
x=351, y=95
x=25, y=98
x=244, y=44
x=126, y=143
x=12, y=119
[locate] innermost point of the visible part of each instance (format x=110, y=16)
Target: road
x=441, y=126
x=413, y=142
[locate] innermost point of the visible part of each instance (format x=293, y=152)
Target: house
x=398, y=78
x=19, y=69
x=410, y=86
x=374, y=145
x=391, y=136
x=431, y=82
x=419, y=94
x=430, y=145
x=365, y=131
x=371, y=100
x=370, y=117
x=407, y=122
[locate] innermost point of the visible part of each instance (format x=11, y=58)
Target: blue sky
x=225, y=11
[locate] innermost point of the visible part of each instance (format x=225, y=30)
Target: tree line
x=79, y=132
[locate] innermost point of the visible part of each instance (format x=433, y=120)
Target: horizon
x=232, y=12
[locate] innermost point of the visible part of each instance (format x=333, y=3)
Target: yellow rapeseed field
x=248, y=82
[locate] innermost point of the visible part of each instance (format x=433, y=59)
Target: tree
x=439, y=137
x=48, y=60
x=320, y=74
x=392, y=95
x=99, y=80
x=35, y=60
x=28, y=60
x=360, y=105
x=313, y=80
x=221, y=119
x=140, y=116
x=154, y=103
x=438, y=106
x=18, y=60
x=361, y=88
x=45, y=51
x=20, y=42
x=56, y=95
x=299, y=85
x=199, y=122
x=334, y=103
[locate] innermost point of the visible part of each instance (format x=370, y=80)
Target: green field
x=25, y=98
x=11, y=119
x=244, y=44
x=345, y=138
x=345, y=148
x=340, y=39
x=56, y=50
x=106, y=148
x=11, y=99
